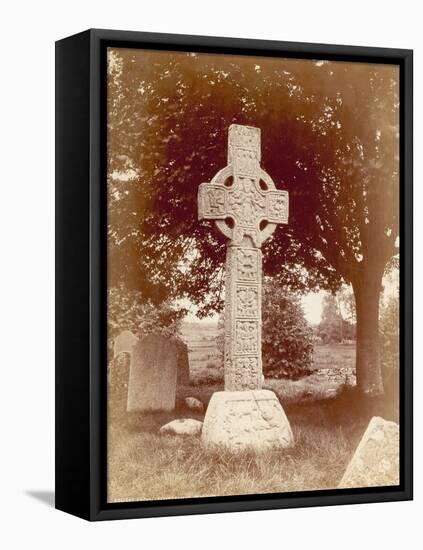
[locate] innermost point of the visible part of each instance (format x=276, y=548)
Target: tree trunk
x=367, y=288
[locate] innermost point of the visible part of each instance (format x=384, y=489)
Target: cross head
x=242, y=197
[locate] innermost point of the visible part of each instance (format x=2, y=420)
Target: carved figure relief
x=215, y=201
x=278, y=206
x=239, y=378
x=245, y=162
x=243, y=137
x=247, y=372
x=247, y=301
x=246, y=338
x=246, y=203
x=247, y=264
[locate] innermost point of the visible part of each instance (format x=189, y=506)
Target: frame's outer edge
x=80, y=275
x=406, y=273
x=250, y=46
x=98, y=276
x=72, y=276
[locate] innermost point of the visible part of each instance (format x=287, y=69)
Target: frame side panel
x=406, y=274
x=72, y=275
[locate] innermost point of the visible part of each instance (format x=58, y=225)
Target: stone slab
x=152, y=375
x=124, y=342
x=183, y=362
x=375, y=462
x=240, y=420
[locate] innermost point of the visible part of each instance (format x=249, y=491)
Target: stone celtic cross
x=246, y=207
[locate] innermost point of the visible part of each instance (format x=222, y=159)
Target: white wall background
x=28, y=32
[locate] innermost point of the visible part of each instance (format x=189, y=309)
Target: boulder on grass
x=375, y=462
x=194, y=404
x=182, y=426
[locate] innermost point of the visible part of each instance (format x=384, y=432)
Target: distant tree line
x=334, y=327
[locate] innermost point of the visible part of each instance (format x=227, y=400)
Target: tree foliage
x=328, y=133
x=330, y=136
x=287, y=337
x=128, y=311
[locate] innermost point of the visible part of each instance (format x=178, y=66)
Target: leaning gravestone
x=183, y=362
x=124, y=343
x=246, y=207
x=126, y=340
x=375, y=462
x=152, y=376
x=119, y=368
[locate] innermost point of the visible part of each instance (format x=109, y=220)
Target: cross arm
x=212, y=202
x=277, y=206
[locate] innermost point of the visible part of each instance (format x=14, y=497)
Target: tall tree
x=329, y=136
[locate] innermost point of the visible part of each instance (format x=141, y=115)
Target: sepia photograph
x=253, y=288
x=209, y=248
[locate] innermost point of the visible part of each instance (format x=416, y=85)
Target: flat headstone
x=375, y=462
x=152, y=376
x=241, y=420
x=124, y=343
x=182, y=426
x=118, y=376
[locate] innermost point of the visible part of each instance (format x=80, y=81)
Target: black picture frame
x=81, y=274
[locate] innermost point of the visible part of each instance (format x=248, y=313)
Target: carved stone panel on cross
x=242, y=197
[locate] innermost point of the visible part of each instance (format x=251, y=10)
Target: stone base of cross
x=246, y=207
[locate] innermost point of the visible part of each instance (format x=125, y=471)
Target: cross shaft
x=246, y=207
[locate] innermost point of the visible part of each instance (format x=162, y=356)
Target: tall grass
x=327, y=420
x=143, y=465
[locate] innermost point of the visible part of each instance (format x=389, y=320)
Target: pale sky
x=312, y=305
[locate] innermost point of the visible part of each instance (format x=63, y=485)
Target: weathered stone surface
x=152, y=376
x=375, y=462
x=245, y=194
x=182, y=426
x=246, y=207
x=194, y=404
x=182, y=362
x=246, y=419
x=124, y=342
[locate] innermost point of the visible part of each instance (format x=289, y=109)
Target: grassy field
x=204, y=357
x=205, y=360
x=326, y=418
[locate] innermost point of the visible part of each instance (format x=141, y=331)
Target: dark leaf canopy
x=329, y=136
